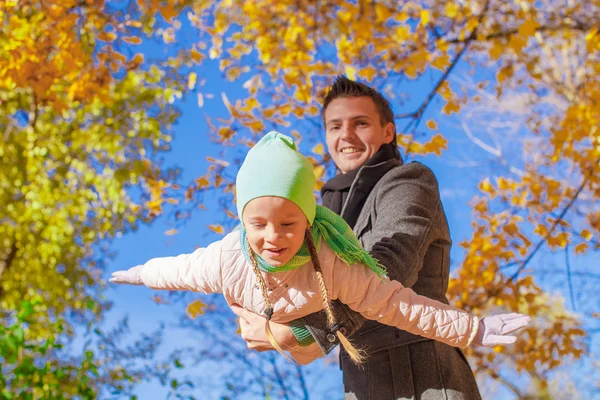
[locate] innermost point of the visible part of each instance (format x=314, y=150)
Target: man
x=396, y=212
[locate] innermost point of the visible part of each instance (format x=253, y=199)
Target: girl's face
x=275, y=228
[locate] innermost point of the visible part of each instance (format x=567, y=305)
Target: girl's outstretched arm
x=390, y=303
x=199, y=271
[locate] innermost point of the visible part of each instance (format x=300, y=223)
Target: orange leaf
x=195, y=308
x=202, y=182
x=107, y=36
x=217, y=229
x=431, y=124
x=132, y=39
x=581, y=248
x=171, y=232
x=215, y=161
x=196, y=56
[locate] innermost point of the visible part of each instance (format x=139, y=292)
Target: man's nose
x=347, y=132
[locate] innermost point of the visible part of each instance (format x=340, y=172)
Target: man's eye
x=362, y=123
x=334, y=128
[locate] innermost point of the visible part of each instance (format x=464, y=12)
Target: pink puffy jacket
x=222, y=268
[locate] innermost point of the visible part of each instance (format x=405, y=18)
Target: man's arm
x=406, y=205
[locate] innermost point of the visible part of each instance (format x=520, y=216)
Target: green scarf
x=337, y=234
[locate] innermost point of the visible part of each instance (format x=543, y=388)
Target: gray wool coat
x=403, y=225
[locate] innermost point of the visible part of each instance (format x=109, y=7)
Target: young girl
x=290, y=258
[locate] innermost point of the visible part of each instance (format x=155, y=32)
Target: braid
x=356, y=355
x=268, y=306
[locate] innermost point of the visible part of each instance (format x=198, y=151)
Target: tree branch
x=5, y=265
x=503, y=34
x=553, y=227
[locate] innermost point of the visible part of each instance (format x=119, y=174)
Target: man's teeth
x=350, y=150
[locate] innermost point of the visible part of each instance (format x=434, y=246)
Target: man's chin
x=350, y=165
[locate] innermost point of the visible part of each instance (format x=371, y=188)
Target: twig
x=302, y=382
x=569, y=278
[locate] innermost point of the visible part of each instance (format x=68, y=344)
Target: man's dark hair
x=343, y=88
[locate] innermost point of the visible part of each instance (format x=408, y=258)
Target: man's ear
x=389, y=133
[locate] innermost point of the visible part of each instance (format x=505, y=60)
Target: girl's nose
x=272, y=234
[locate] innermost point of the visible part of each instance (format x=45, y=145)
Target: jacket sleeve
x=390, y=303
x=407, y=204
x=199, y=271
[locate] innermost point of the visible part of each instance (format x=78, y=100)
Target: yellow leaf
x=442, y=62
x=217, y=229
x=436, y=145
x=425, y=17
x=431, y=124
x=383, y=12
x=225, y=133
x=168, y=35
x=350, y=72
x=581, y=248
x=192, y=80
x=171, y=232
x=452, y=9
x=486, y=187
x=496, y=50
x=195, y=308
x=368, y=73
x=319, y=171
x=527, y=29
x=319, y=149
x=202, y=182
x=135, y=24
x=107, y=36
x=451, y=107
x=587, y=235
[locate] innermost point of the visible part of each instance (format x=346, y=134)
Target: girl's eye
x=258, y=226
x=288, y=224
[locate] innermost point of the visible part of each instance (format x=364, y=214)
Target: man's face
x=275, y=228
x=354, y=132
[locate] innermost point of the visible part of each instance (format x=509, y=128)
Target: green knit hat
x=273, y=167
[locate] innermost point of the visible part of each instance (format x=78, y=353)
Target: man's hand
x=253, y=332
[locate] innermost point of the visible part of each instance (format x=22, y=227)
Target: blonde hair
x=268, y=306
x=358, y=356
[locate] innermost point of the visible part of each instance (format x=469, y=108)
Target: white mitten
x=494, y=330
x=133, y=276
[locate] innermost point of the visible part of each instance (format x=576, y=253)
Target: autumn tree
x=83, y=126
x=542, y=197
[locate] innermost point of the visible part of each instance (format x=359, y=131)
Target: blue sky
x=190, y=147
